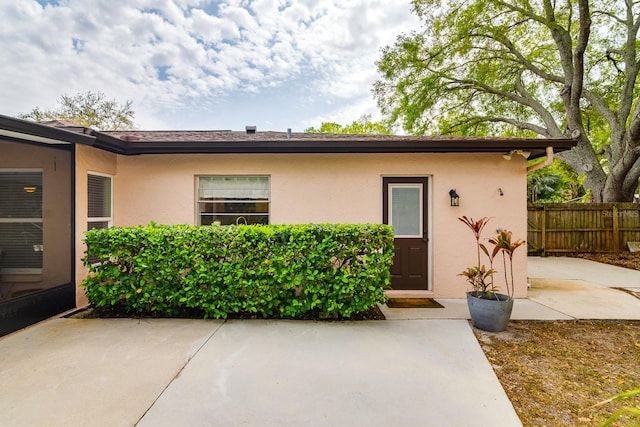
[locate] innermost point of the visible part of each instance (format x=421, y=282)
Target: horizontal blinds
x=99, y=196
x=21, y=245
x=20, y=195
x=21, y=220
x=233, y=188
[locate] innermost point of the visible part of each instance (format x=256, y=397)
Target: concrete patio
x=423, y=368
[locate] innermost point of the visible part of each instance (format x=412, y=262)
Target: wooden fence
x=582, y=227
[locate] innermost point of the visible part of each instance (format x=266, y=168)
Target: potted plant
x=489, y=309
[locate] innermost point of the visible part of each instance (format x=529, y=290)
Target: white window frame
x=198, y=201
x=25, y=220
x=107, y=219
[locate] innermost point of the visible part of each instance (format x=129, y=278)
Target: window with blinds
x=21, y=223
x=227, y=200
x=99, y=201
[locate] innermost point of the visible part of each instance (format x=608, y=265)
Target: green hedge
x=268, y=270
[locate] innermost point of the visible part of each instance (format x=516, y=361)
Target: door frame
x=59, y=296
x=427, y=210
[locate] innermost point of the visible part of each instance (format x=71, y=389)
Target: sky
x=201, y=64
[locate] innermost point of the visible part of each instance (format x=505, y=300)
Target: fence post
x=543, y=238
x=616, y=230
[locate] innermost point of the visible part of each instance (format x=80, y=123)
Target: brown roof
x=60, y=123
x=229, y=135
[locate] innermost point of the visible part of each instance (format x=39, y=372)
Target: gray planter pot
x=490, y=315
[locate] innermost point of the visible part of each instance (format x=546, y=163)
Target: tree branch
x=540, y=130
x=578, y=55
x=631, y=68
x=520, y=58
x=528, y=13
x=601, y=106
x=545, y=115
x=609, y=14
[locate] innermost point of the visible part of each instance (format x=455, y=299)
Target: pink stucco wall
x=88, y=159
x=341, y=188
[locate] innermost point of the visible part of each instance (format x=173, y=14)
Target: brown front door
x=405, y=209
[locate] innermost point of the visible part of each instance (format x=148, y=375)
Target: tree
x=90, y=109
x=525, y=67
x=363, y=125
x=556, y=183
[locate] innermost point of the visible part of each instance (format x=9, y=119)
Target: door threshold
x=401, y=293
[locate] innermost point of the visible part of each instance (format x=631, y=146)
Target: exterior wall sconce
x=29, y=189
x=455, y=199
x=500, y=191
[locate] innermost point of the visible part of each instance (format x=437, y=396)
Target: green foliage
x=522, y=68
x=631, y=414
x=268, y=270
x=364, y=125
x=90, y=109
x=554, y=184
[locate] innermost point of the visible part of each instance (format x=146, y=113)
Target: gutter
x=544, y=164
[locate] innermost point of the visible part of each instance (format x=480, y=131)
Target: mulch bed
x=555, y=372
x=119, y=312
x=621, y=259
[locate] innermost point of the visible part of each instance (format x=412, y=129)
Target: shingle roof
x=229, y=135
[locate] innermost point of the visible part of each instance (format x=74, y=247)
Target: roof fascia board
x=110, y=143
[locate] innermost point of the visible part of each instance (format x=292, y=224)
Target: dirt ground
x=555, y=372
x=622, y=259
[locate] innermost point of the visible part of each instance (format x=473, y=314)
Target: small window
x=99, y=200
x=21, y=221
x=227, y=200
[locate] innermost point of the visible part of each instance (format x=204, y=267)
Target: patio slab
x=275, y=373
x=567, y=268
x=93, y=372
x=584, y=300
x=456, y=308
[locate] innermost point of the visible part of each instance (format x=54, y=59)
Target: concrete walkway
x=562, y=288
x=427, y=369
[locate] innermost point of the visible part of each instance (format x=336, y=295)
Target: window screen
x=21, y=220
x=99, y=201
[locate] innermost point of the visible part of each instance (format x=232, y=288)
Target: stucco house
x=58, y=180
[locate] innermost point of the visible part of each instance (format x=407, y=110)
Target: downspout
x=546, y=163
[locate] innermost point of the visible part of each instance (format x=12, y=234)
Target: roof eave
x=536, y=147
x=27, y=131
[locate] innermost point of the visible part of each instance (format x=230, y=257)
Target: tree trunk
x=630, y=184
x=584, y=161
x=612, y=191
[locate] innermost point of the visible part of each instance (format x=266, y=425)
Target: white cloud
x=179, y=54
